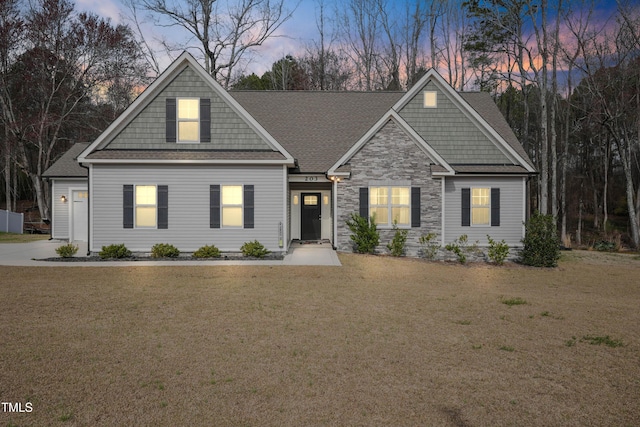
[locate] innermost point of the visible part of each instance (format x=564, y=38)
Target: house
x=191, y=164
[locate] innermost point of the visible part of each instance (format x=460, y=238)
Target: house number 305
x=310, y=178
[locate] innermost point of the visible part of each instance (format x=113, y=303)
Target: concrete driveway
x=28, y=254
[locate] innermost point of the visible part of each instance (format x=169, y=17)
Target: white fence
x=11, y=222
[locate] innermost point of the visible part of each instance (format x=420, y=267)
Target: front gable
x=145, y=127
x=453, y=128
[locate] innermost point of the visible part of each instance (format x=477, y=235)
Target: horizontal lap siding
x=61, y=213
x=511, y=210
x=188, y=206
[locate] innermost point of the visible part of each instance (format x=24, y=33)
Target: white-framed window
x=146, y=206
x=480, y=206
x=430, y=99
x=231, y=206
x=188, y=118
x=390, y=204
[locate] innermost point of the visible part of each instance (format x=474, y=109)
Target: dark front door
x=311, y=211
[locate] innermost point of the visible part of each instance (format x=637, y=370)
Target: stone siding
x=392, y=156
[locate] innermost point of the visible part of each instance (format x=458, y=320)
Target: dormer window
x=188, y=120
x=430, y=99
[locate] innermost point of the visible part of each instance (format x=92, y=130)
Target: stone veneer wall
x=391, y=156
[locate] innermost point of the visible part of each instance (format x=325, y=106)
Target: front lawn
x=379, y=341
x=21, y=238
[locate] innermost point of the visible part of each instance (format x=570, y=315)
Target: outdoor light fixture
x=295, y=200
x=63, y=198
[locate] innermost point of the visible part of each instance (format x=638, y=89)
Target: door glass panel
x=310, y=200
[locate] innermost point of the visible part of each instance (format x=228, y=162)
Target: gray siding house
x=191, y=164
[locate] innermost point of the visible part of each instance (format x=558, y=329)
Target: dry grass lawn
x=21, y=238
x=378, y=342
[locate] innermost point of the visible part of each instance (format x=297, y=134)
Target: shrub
x=164, y=250
x=399, y=241
x=115, y=251
x=254, y=249
x=461, y=248
x=430, y=245
x=541, y=243
x=207, y=252
x=365, y=233
x=605, y=246
x=498, y=251
x=67, y=251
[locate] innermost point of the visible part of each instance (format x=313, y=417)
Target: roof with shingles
x=67, y=166
x=486, y=107
x=316, y=127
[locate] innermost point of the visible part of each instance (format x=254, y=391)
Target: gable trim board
x=391, y=115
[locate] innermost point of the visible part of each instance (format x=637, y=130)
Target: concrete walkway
x=28, y=254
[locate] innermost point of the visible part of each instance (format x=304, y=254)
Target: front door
x=310, y=220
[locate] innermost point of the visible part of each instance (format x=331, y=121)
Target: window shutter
x=466, y=207
x=163, y=207
x=214, y=206
x=364, y=202
x=171, y=131
x=248, y=206
x=495, y=207
x=415, y=206
x=127, y=203
x=205, y=120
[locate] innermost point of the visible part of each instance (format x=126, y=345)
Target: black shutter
x=163, y=207
x=205, y=120
x=127, y=203
x=415, y=206
x=495, y=207
x=364, y=202
x=214, y=206
x=466, y=207
x=248, y=206
x=171, y=120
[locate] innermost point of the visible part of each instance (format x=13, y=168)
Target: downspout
x=88, y=208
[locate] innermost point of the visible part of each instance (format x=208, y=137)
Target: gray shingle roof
x=484, y=105
x=316, y=127
x=67, y=166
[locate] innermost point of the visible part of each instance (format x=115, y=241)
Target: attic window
x=188, y=119
x=430, y=99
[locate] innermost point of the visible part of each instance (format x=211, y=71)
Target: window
x=231, y=205
x=188, y=120
x=480, y=206
x=145, y=206
x=430, y=99
x=390, y=204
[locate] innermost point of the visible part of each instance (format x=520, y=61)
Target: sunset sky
x=293, y=36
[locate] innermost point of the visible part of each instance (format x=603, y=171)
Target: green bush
x=397, y=245
x=605, y=246
x=430, y=245
x=164, y=250
x=498, y=251
x=541, y=242
x=115, y=251
x=461, y=248
x=67, y=251
x=365, y=234
x=254, y=249
x=207, y=252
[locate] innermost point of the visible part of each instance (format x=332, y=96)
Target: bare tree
x=11, y=34
x=225, y=31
